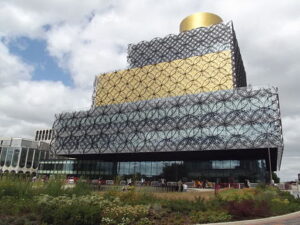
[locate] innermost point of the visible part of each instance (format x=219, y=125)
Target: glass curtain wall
x=213, y=170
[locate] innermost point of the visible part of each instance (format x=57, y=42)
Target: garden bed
x=24, y=202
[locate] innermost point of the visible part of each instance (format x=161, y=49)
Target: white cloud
x=30, y=105
x=12, y=68
x=291, y=127
x=28, y=18
x=290, y=168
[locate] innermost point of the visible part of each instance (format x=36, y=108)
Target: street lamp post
x=270, y=165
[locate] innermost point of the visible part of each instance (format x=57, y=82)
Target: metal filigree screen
x=196, y=42
x=236, y=119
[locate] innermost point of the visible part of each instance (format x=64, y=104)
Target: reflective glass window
x=154, y=169
x=134, y=167
x=47, y=155
x=36, y=158
x=122, y=168
x=235, y=164
x=98, y=166
x=3, y=156
x=143, y=168
x=15, y=157
x=41, y=166
x=69, y=166
x=217, y=164
x=227, y=164
x=126, y=168
x=23, y=157
x=9, y=154
x=29, y=158
x=148, y=168
x=59, y=166
x=42, y=155
x=108, y=168
x=159, y=168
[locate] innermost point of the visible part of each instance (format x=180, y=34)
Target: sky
x=50, y=52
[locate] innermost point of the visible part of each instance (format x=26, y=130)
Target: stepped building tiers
x=182, y=110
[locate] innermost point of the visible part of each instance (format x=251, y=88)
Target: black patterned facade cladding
x=243, y=118
x=196, y=42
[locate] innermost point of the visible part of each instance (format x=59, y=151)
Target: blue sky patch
x=34, y=52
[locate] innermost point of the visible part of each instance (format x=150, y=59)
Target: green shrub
x=81, y=188
x=82, y=210
x=210, y=216
x=15, y=187
x=12, y=206
x=126, y=215
x=181, y=205
x=282, y=206
x=287, y=195
x=111, y=194
x=131, y=197
x=137, y=198
x=246, y=209
x=237, y=194
x=53, y=187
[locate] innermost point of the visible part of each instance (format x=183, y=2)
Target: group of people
x=182, y=187
x=201, y=184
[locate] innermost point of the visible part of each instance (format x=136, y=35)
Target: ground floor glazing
x=212, y=170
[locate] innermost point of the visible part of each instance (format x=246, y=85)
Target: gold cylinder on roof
x=201, y=19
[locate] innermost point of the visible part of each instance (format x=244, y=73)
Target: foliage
x=248, y=209
x=131, y=197
x=210, y=216
x=137, y=198
x=72, y=210
x=237, y=194
x=54, y=202
x=125, y=215
x=15, y=187
x=275, y=178
x=184, y=206
x=258, y=202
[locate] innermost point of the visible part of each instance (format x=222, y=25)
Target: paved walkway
x=288, y=219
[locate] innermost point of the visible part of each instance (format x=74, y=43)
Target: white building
x=20, y=155
x=43, y=135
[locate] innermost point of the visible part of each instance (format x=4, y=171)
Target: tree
x=275, y=178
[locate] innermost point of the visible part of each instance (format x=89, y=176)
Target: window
x=29, y=158
x=3, y=156
x=42, y=155
x=15, y=157
x=9, y=155
x=47, y=155
x=23, y=157
x=36, y=159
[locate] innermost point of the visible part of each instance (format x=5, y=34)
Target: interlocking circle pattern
x=243, y=118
